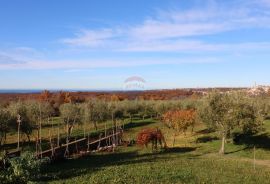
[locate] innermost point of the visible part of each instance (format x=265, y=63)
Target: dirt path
x=226, y=157
x=257, y=162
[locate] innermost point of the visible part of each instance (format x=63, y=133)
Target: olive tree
x=70, y=114
x=225, y=112
x=160, y=107
x=117, y=109
x=5, y=120
x=94, y=111
x=146, y=109
x=27, y=124
x=38, y=113
x=131, y=108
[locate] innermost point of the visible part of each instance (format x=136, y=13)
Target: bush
x=22, y=169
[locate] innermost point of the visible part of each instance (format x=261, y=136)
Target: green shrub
x=22, y=169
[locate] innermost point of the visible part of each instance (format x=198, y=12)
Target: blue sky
x=97, y=44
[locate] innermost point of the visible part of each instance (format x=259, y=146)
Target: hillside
x=194, y=159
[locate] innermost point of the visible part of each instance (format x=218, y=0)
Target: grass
x=131, y=165
x=244, y=149
x=194, y=159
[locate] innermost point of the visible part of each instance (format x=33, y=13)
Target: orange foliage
x=180, y=120
x=45, y=96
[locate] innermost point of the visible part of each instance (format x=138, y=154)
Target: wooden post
x=254, y=159
x=76, y=145
x=37, y=153
x=58, y=137
x=19, y=126
x=113, y=140
x=84, y=130
x=105, y=131
x=88, y=142
x=116, y=137
x=67, y=142
x=51, y=145
x=100, y=135
x=40, y=141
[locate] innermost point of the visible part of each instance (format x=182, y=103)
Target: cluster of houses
x=258, y=90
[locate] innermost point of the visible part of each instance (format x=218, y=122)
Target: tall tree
x=94, y=111
x=225, y=112
x=70, y=115
x=5, y=120
x=27, y=124
x=180, y=120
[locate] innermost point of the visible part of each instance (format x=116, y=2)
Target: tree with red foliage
x=45, y=96
x=180, y=120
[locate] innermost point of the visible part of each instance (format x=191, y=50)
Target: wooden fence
x=82, y=146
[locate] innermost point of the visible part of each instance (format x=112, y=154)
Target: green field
x=194, y=159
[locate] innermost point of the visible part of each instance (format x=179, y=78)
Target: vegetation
x=22, y=169
x=180, y=120
x=187, y=162
x=228, y=112
x=238, y=120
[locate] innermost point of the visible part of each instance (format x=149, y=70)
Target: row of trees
x=34, y=113
x=31, y=114
x=225, y=113
x=96, y=111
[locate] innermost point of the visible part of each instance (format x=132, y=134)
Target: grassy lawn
x=179, y=165
x=194, y=159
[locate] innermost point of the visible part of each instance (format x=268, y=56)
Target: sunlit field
x=194, y=159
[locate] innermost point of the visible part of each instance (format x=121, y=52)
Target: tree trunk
x=95, y=125
x=28, y=138
x=174, y=139
x=222, y=148
x=1, y=138
x=69, y=131
x=5, y=139
x=18, y=138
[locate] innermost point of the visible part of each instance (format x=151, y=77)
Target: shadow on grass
x=205, y=131
x=137, y=124
x=77, y=167
x=259, y=141
x=96, y=162
x=179, y=150
x=206, y=139
x=246, y=148
x=29, y=146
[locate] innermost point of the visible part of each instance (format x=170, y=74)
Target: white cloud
x=169, y=31
x=91, y=38
x=14, y=62
x=76, y=65
x=10, y=61
x=195, y=46
x=172, y=30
